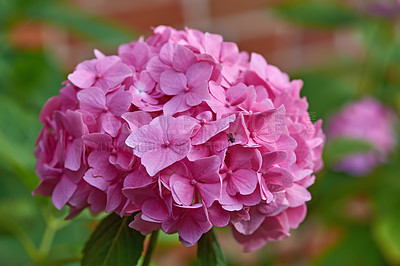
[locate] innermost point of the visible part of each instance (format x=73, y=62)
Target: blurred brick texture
x=250, y=23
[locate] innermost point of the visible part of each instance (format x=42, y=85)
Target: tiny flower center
x=229, y=172
x=202, y=121
x=98, y=76
x=193, y=182
x=105, y=109
x=186, y=89
x=227, y=104
x=70, y=138
x=166, y=144
x=253, y=134
x=113, y=152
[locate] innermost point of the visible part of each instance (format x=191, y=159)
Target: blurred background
x=343, y=50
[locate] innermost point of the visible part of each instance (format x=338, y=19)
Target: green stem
x=47, y=238
x=150, y=248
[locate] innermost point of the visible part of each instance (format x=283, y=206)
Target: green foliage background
x=32, y=232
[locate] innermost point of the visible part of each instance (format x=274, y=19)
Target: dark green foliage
x=209, y=252
x=113, y=243
x=317, y=13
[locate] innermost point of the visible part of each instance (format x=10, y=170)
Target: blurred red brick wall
x=250, y=23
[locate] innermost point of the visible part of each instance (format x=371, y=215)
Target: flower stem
x=150, y=248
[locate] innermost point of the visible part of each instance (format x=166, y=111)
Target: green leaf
x=113, y=243
x=18, y=131
x=82, y=23
x=209, y=252
x=338, y=148
x=387, y=234
x=355, y=248
x=318, y=86
x=386, y=225
x=317, y=14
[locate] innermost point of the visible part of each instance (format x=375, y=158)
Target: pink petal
x=172, y=82
x=175, y=105
x=143, y=226
x=218, y=216
x=114, y=197
x=167, y=53
x=239, y=130
x=155, y=67
x=73, y=156
x=63, y=192
x=183, y=58
x=110, y=124
x=275, y=207
x=92, y=100
x=97, y=182
x=136, y=56
x=156, y=160
x=51, y=105
x=198, y=73
x=296, y=215
x=119, y=103
x=297, y=195
x=181, y=129
x=240, y=157
x=217, y=92
x=209, y=192
x=137, y=119
x=112, y=71
x=250, y=226
x=206, y=169
x=98, y=54
x=206, y=115
x=211, y=129
x=258, y=64
x=74, y=123
x=84, y=75
x=244, y=180
x=182, y=190
x=99, y=161
x=198, y=94
x=193, y=225
x=145, y=139
x=229, y=52
x=274, y=157
x=68, y=98
x=212, y=44
x=97, y=200
x=269, y=125
x=155, y=209
x=138, y=179
x=236, y=94
x=98, y=141
x=278, y=176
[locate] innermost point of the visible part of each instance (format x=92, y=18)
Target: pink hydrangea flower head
x=185, y=132
x=366, y=120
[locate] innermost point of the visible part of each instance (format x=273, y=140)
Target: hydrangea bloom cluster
x=366, y=120
x=185, y=131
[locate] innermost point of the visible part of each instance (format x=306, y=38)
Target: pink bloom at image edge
x=366, y=120
x=185, y=131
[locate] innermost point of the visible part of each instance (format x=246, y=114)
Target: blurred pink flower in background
x=385, y=9
x=187, y=131
x=366, y=120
